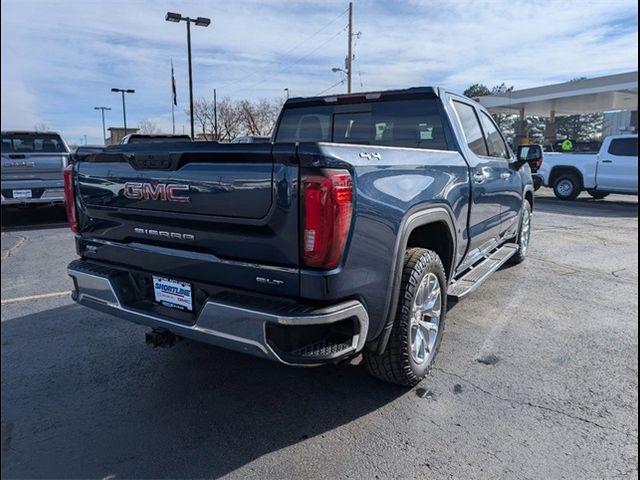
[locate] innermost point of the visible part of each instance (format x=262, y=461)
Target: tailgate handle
x=17, y=156
x=154, y=161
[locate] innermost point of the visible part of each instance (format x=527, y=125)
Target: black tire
x=524, y=233
x=567, y=186
x=598, y=195
x=396, y=364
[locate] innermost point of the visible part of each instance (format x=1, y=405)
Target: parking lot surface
x=537, y=377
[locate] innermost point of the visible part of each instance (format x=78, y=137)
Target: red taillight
x=70, y=198
x=326, y=216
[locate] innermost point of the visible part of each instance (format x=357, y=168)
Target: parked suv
x=32, y=165
x=344, y=235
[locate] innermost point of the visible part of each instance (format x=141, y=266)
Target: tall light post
x=104, y=129
x=200, y=22
x=124, y=107
x=346, y=72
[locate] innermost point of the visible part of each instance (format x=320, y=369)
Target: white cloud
x=62, y=62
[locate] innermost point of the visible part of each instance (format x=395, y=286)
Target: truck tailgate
x=33, y=166
x=228, y=202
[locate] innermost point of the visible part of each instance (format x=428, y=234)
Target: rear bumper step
x=293, y=335
x=476, y=275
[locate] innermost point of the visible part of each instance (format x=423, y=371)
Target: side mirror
x=529, y=153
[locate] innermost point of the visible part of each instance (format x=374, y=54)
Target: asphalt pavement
x=537, y=377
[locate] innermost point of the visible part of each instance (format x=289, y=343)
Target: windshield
x=399, y=123
x=32, y=143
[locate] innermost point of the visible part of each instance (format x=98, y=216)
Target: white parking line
x=35, y=297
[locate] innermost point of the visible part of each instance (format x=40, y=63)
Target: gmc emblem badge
x=168, y=192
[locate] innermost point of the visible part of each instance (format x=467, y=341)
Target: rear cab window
x=414, y=123
x=623, y=147
x=32, y=143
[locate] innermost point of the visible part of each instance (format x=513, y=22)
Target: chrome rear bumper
x=228, y=325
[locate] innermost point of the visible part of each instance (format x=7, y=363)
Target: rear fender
x=415, y=217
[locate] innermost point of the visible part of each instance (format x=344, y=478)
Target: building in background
x=116, y=134
x=609, y=93
x=616, y=123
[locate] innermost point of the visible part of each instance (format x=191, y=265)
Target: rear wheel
x=567, y=186
x=417, y=330
x=598, y=195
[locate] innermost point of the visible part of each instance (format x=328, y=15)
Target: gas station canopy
x=601, y=94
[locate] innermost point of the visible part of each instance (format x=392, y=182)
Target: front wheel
x=417, y=329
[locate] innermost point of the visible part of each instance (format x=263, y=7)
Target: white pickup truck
x=614, y=169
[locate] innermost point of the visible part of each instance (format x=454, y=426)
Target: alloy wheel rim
x=565, y=187
x=425, y=319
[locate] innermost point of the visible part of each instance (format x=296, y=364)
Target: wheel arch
x=430, y=227
x=559, y=170
x=528, y=196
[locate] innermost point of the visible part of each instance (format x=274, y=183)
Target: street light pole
x=201, y=22
x=190, y=79
x=124, y=107
x=104, y=129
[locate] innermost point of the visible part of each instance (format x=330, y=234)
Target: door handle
x=607, y=161
x=505, y=175
x=479, y=177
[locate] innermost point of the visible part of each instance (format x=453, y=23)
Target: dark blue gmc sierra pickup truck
x=346, y=233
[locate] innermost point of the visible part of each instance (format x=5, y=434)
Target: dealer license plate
x=172, y=293
x=22, y=194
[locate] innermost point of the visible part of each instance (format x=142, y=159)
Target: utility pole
x=104, y=130
x=350, y=52
x=215, y=114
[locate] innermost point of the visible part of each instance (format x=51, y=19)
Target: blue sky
x=61, y=58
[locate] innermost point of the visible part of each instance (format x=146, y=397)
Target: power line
x=341, y=82
x=294, y=62
x=317, y=32
x=290, y=51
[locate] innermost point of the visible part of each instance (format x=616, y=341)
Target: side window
x=495, y=143
x=624, y=147
x=471, y=128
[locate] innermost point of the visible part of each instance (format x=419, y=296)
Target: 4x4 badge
x=370, y=156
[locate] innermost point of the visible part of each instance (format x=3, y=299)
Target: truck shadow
x=588, y=207
x=33, y=218
x=83, y=397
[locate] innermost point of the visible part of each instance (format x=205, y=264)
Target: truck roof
x=363, y=96
x=29, y=132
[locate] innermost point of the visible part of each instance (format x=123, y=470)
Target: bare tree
x=41, y=127
x=229, y=119
x=147, y=127
x=235, y=117
x=202, y=111
x=259, y=118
